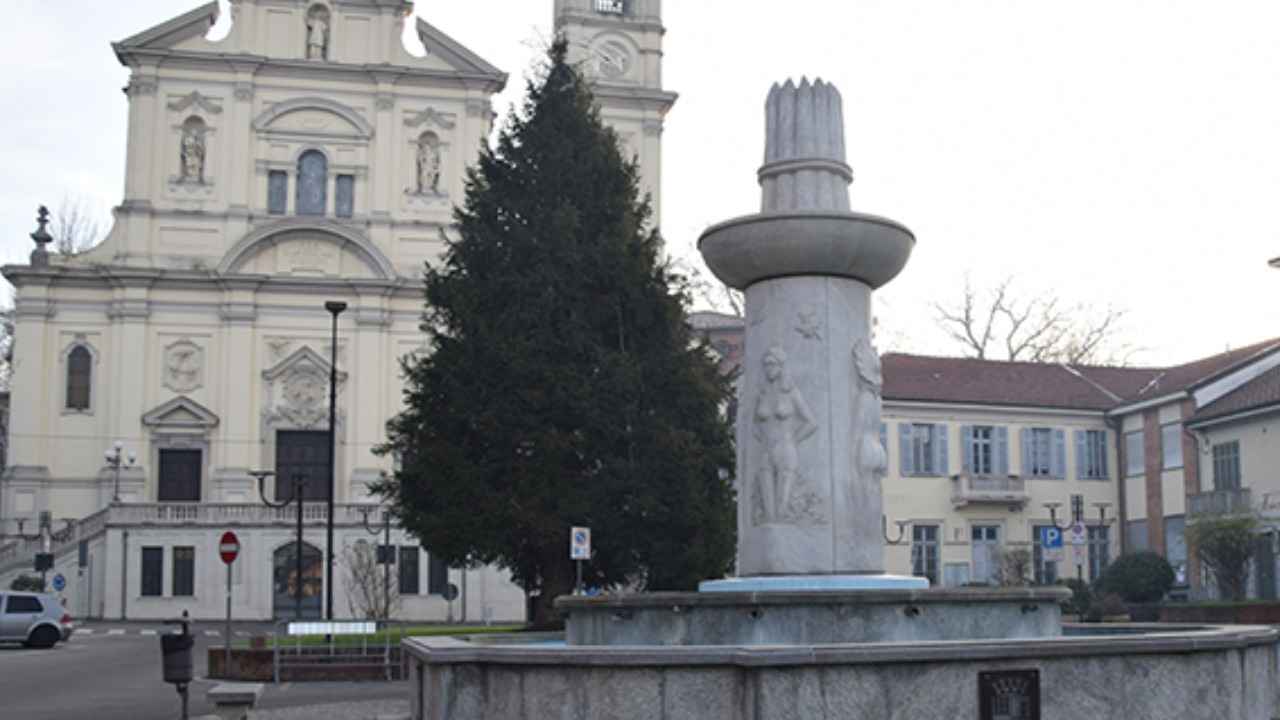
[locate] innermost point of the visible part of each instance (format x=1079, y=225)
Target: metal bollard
x=175, y=653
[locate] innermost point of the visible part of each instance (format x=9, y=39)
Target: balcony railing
x=978, y=489
x=1221, y=502
x=611, y=7
x=22, y=552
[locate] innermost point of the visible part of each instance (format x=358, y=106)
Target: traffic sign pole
x=579, y=550
x=229, y=550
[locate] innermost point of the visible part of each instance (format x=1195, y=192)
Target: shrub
x=1107, y=605
x=27, y=583
x=1014, y=568
x=1081, y=598
x=1225, y=545
x=1138, y=577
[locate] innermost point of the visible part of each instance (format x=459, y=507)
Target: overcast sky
x=1114, y=152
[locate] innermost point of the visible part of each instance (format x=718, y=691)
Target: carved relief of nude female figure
x=781, y=421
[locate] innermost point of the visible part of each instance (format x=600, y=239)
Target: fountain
x=813, y=627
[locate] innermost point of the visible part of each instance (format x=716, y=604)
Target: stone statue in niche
x=193, y=151
x=318, y=34
x=782, y=421
x=428, y=165
x=872, y=460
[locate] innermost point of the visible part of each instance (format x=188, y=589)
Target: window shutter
x=1024, y=437
x=1081, y=451
x=906, y=466
x=1002, y=451
x=1106, y=455
x=966, y=438
x=1060, y=454
x=884, y=439
x=943, y=458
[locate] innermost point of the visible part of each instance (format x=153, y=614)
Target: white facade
x=307, y=157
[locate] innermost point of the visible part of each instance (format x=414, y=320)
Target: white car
x=33, y=619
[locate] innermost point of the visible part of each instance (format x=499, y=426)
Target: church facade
x=306, y=158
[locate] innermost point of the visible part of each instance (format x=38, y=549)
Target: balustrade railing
x=21, y=552
x=1221, y=502
x=966, y=489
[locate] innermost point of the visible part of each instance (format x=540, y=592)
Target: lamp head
x=336, y=307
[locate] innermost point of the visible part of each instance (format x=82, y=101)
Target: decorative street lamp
x=902, y=530
x=335, y=309
x=116, y=456
x=1077, y=516
x=384, y=556
x=299, y=485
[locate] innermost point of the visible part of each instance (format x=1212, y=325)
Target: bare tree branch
x=1039, y=329
x=75, y=227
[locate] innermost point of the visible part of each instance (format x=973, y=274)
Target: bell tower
x=618, y=45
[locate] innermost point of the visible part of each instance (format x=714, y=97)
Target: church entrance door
x=285, y=582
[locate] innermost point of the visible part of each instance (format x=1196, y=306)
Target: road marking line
x=241, y=633
x=148, y=632
x=83, y=632
x=211, y=633
x=116, y=631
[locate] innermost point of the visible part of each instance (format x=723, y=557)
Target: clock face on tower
x=612, y=59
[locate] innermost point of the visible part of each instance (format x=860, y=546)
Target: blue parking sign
x=59, y=583
x=1051, y=538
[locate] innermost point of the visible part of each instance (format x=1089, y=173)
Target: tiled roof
x=1260, y=392
x=995, y=382
x=1081, y=387
x=922, y=378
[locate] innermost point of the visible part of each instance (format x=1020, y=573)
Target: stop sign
x=229, y=547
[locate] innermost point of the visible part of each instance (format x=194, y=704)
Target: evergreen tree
x=563, y=386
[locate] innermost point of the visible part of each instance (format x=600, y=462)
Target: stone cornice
x=492, y=82
x=205, y=281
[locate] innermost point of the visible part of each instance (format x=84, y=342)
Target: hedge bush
x=1141, y=577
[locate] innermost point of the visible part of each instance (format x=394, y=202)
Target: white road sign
x=580, y=543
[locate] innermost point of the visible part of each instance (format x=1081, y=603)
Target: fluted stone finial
x=804, y=165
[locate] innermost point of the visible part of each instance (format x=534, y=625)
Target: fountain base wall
x=1222, y=673
x=776, y=618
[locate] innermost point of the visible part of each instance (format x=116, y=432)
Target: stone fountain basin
x=813, y=617
x=1176, y=673
x=746, y=250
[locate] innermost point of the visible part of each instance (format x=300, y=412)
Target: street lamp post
x=299, y=485
x=116, y=456
x=335, y=309
x=386, y=557
x=1077, y=514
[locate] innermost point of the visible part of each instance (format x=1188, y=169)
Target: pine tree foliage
x=562, y=386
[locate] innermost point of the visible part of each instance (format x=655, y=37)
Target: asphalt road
x=110, y=675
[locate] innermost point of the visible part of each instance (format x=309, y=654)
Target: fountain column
x=810, y=449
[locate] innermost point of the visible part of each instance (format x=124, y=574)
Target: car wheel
x=43, y=637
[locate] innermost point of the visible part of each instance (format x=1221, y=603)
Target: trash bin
x=176, y=652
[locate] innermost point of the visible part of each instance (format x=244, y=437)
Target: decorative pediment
x=181, y=413
x=297, y=391
x=194, y=24
x=304, y=359
x=197, y=100
x=313, y=115
x=307, y=247
x=453, y=53
x=430, y=115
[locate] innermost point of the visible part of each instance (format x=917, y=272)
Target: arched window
x=313, y=183
x=79, y=378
